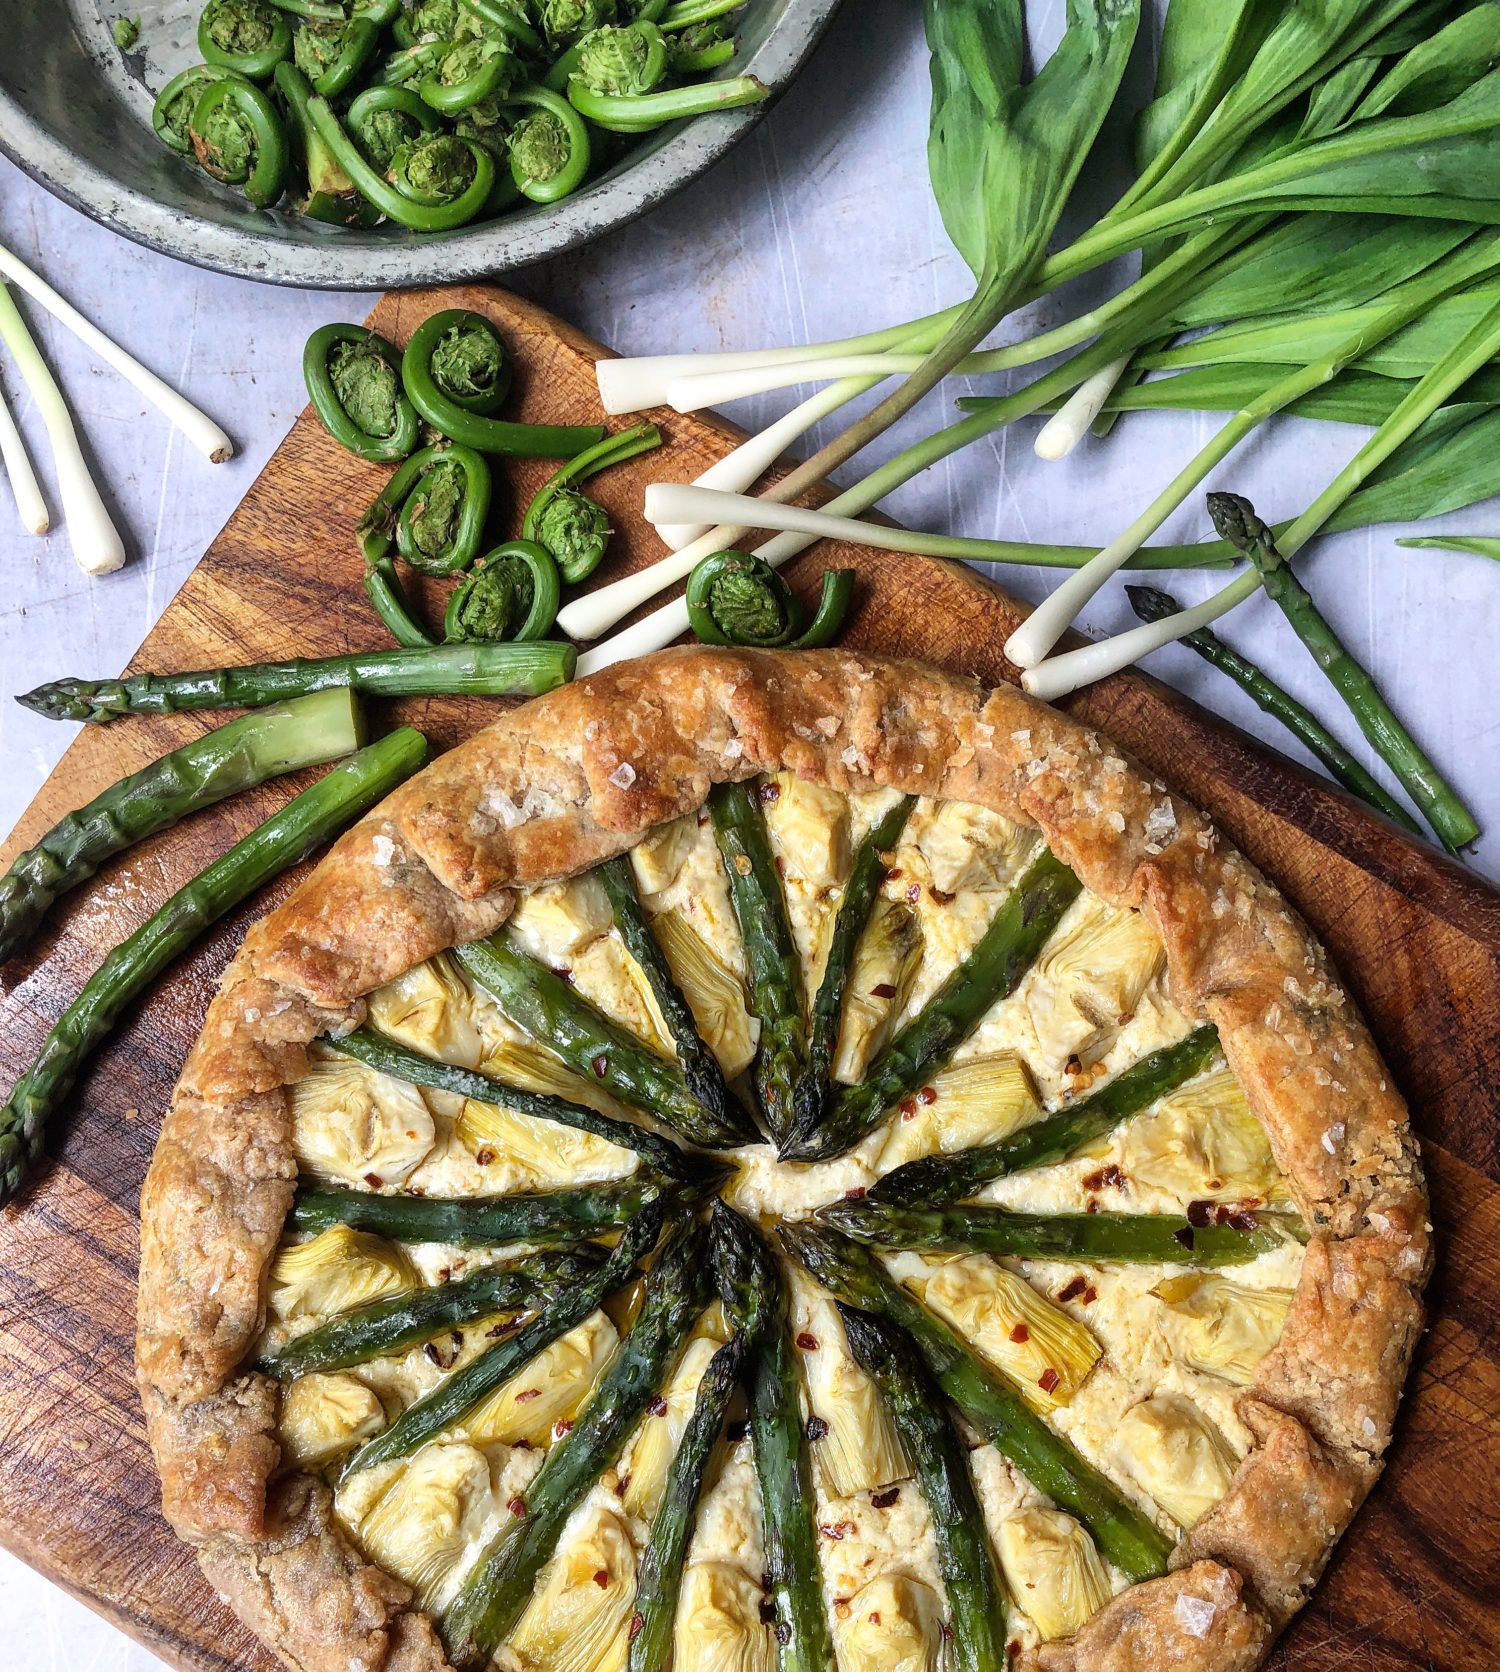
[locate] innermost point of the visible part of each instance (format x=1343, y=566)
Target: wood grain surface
x=1416, y=1583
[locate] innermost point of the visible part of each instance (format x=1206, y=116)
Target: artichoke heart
x=658, y=857
x=714, y=993
x=522, y=1063
x=548, y=1153
x=885, y=964
x=1176, y=1455
x=1203, y=1144
x=1053, y=1570
x=967, y=847
x=1047, y=1354
x=578, y=1619
x=548, y=1391
x=338, y=1269
x=606, y=973
x=1090, y=978
x=1220, y=1327
x=556, y=921
x=429, y=1519
x=861, y=1450
x=719, y=1627
x=894, y=1624
x=809, y=828
x=650, y=1450
x=976, y=1102
x=431, y=1009
x=325, y=1415
x=355, y=1126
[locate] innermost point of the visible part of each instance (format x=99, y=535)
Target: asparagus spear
x=452, y=1400
x=481, y=670
x=1234, y=520
x=700, y=1067
x=749, y=1283
x=1150, y=603
x=976, y=1598
x=788, y=1506
x=236, y=757
x=306, y=821
x=499, y=1586
x=660, y=1579
x=407, y=1320
x=1105, y=1238
x=1018, y=931
x=376, y=1050
x=936, y=1180
x=478, y=1221
x=860, y=891
x=777, y=998
x=993, y=1406
x=542, y=1002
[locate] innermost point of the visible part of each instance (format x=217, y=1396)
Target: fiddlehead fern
x=511, y=593
x=734, y=598
x=433, y=509
x=564, y=21
x=626, y=58
x=353, y=379
x=469, y=72
x=570, y=525
x=437, y=181
x=245, y=35
x=549, y=147
x=172, y=114
x=331, y=54
x=238, y=138
x=381, y=120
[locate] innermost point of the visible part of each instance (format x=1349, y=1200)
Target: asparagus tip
x=1234, y=520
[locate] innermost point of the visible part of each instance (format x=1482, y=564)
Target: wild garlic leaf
x=1204, y=44
x=1436, y=70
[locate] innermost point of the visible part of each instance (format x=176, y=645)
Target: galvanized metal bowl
x=75, y=113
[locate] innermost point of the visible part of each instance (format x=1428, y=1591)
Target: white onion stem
x=30, y=505
x=1075, y=417
x=199, y=429
x=95, y=540
x=718, y=388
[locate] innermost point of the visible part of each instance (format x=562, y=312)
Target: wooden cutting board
x=1414, y=1584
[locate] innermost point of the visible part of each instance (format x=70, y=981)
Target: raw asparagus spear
x=936, y=1180
x=235, y=757
x=539, y=1000
x=777, y=997
x=976, y=1598
x=481, y=670
x=478, y=1221
x=1234, y=520
x=376, y=1050
x=700, y=1067
x=1102, y=1238
x=1006, y=950
x=1150, y=603
x=452, y=1400
x=993, y=1406
x=499, y=1586
x=860, y=891
x=660, y=1580
x=407, y=1320
x=306, y=821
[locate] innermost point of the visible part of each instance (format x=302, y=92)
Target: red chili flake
x=658, y=1407
x=504, y=1327
x=517, y=1506
x=484, y=1157
x=882, y=990
x=1124, y=1019
x=1200, y=1213
x=884, y=1500
x=947, y=1632
x=893, y=873
x=1090, y=1295
x=600, y=1065
x=835, y=1530
x=561, y=1428
x=636, y=1622
x=928, y=1094
x=1020, y=1334
x=521, y=1445
x=780, y=866
x=908, y=1108
x=913, y=893
x=854, y=1192
x=767, y=793
x=1092, y=1205
x=374, y=1180
x=874, y=1616
x=528, y=1393
x=767, y=1612
x=564, y=972
x=1106, y=1178
x=1013, y=1648
x=1074, y=1065
x=765, y=1581
x=1048, y=1379
x=1072, y=1289
x=941, y=896
x=808, y=1343
x=817, y=1429
x=622, y=1486
x=1243, y=1221
x=601, y=1578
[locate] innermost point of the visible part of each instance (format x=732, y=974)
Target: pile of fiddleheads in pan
x=434, y=113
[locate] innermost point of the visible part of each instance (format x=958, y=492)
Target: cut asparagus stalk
x=777, y=997
x=235, y=757
x=479, y=670
x=387, y=1056
x=976, y=1598
x=307, y=821
x=452, y=1400
x=498, y=1588
x=936, y=1180
x=542, y=1002
x=1167, y=1239
x=865, y=876
x=478, y=1221
x=408, y=1319
x=1007, y=949
x=1124, y=1535
x=700, y=1067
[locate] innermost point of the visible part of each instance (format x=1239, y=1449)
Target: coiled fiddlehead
x=383, y=119
x=331, y=54
x=433, y=508
x=626, y=58
x=353, y=379
x=511, y=593
x=736, y=599
x=437, y=181
x=172, y=114
x=565, y=21
x=238, y=138
x=245, y=35
x=549, y=147
x=570, y=525
x=470, y=71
